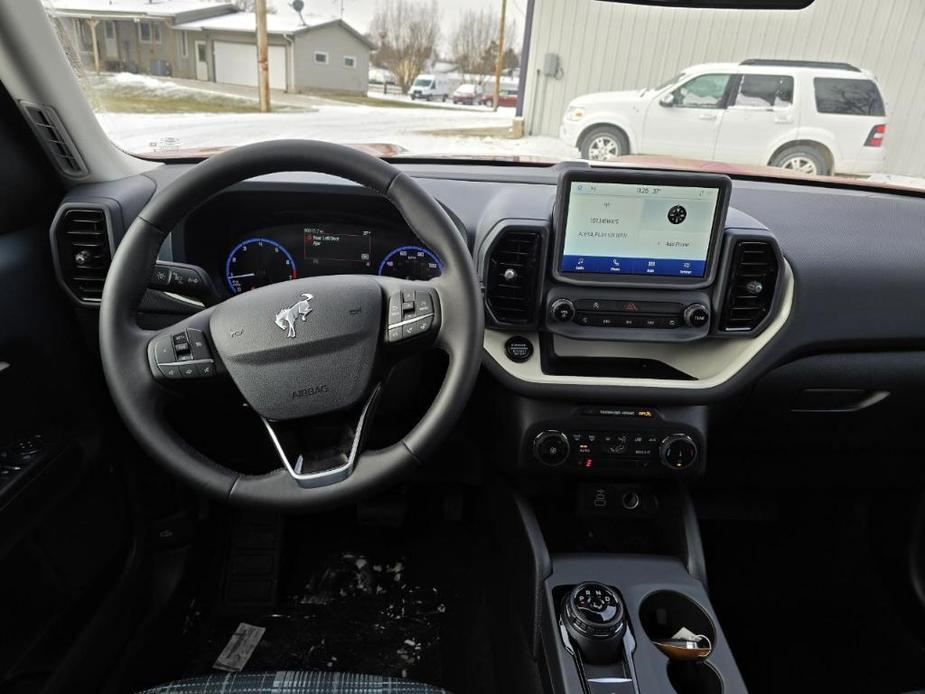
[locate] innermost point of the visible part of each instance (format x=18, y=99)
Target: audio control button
x=563, y=310
x=696, y=315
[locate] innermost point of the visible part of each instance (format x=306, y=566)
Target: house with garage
x=211, y=41
x=131, y=35
x=305, y=52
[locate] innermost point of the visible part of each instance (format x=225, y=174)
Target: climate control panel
x=616, y=451
x=586, y=313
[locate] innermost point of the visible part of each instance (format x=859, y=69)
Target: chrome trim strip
x=331, y=475
x=409, y=320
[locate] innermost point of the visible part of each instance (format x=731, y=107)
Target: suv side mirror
x=667, y=99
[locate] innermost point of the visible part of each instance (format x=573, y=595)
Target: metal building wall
x=605, y=46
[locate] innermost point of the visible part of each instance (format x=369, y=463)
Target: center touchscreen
x=634, y=229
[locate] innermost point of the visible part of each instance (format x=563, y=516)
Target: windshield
x=788, y=93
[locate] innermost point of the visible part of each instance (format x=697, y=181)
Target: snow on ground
x=156, y=86
x=406, y=127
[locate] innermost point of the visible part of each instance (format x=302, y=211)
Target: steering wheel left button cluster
x=412, y=312
x=183, y=354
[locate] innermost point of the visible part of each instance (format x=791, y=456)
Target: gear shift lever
x=592, y=614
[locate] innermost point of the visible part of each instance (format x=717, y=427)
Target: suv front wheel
x=804, y=159
x=604, y=143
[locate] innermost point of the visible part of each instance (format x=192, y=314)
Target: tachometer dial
x=411, y=263
x=257, y=262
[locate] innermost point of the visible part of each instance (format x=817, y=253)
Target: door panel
x=690, y=125
x=761, y=112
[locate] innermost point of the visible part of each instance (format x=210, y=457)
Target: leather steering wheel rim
x=141, y=401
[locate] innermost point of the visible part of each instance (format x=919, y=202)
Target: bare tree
x=407, y=32
x=474, y=43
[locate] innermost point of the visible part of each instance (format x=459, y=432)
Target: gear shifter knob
x=593, y=617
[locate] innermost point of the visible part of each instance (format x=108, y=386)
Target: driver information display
x=632, y=229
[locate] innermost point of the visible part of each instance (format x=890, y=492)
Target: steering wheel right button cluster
x=411, y=313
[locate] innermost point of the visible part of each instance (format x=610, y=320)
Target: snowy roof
x=139, y=8
x=288, y=23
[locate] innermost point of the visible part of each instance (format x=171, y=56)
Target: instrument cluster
x=246, y=240
x=318, y=248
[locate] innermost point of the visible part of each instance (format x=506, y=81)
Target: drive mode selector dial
x=551, y=447
x=562, y=310
x=593, y=616
x=678, y=451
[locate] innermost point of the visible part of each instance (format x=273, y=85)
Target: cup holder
x=694, y=678
x=664, y=612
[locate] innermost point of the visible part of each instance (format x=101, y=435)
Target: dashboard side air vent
x=750, y=286
x=511, y=276
x=81, y=237
x=54, y=137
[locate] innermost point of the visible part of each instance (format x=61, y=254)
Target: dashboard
x=808, y=297
x=244, y=243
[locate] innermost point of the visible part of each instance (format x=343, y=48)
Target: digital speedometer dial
x=410, y=263
x=257, y=262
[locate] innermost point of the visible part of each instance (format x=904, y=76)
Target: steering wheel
x=296, y=351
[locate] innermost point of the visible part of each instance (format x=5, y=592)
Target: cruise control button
x=188, y=371
x=407, y=296
x=423, y=304
x=395, y=309
x=198, y=344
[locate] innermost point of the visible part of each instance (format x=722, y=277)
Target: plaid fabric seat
x=293, y=682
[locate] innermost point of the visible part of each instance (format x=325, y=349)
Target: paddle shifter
x=592, y=615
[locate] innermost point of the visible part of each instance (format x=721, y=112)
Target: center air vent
x=82, y=241
x=750, y=286
x=511, y=279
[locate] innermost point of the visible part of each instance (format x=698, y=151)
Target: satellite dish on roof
x=298, y=6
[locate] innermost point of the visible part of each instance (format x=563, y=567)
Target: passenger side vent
x=83, y=251
x=750, y=287
x=512, y=273
x=56, y=140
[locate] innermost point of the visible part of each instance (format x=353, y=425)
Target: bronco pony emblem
x=287, y=317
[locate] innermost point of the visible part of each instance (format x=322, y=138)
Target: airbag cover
x=303, y=347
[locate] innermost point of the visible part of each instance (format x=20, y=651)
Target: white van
x=433, y=87
x=810, y=116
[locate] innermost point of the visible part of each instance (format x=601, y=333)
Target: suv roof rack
x=800, y=63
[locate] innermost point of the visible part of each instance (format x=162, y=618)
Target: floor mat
x=806, y=602
x=364, y=602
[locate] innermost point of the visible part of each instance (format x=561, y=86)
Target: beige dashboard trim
x=711, y=362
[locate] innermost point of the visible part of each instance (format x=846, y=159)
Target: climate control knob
x=551, y=447
x=678, y=451
x=696, y=316
x=562, y=310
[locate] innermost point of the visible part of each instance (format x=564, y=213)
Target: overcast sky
x=359, y=13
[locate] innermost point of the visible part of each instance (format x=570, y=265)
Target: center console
x=641, y=288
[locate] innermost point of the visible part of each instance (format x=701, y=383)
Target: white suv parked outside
x=809, y=116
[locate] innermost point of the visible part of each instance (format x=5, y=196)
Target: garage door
x=236, y=63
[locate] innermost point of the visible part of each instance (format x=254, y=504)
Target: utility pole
x=500, y=62
x=93, y=23
x=263, y=62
